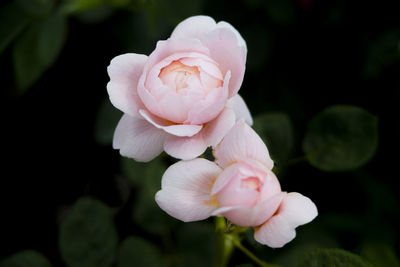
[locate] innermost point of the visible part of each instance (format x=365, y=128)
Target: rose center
x=252, y=183
x=176, y=74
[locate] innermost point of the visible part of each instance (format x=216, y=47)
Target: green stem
x=224, y=244
x=252, y=256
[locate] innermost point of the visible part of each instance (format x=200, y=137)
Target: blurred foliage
x=276, y=131
x=106, y=122
x=27, y=258
x=140, y=252
x=88, y=236
x=37, y=49
x=380, y=255
x=333, y=257
x=341, y=138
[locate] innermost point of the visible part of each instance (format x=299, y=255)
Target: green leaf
x=106, y=122
x=12, y=22
x=51, y=39
x=341, y=138
x=333, y=257
x=88, y=236
x=382, y=52
x=276, y=131
x=147, y=177
x=73, y=6
x=36, y=8
x=381, y=255
x=37, y=49
x=308, y=238
x=146, y=212
x=280, y=11
x=27, y=258
x=196, y=244
x=136, y=251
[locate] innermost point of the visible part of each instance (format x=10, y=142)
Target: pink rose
x=183, y=97
x=239, y=186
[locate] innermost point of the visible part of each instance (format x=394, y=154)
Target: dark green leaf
x=106, y=122
x=27, y=258
x=12, y=21
x=308, y=238
x=36, y=8
x=280, y=11
x=382, y=53
x=51, y=39
x=136, y=251
x=147, y=177
x=88, y=236
x=196, y=244
x=276, y=131
x=381, y=255
x=333, y=257
x=73, y=6
x=341, y=138
x=37, y=49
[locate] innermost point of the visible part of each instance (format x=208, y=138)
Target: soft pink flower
x=239, y=186
x=183, y=97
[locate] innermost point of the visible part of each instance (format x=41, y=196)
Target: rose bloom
x=183, y=97
x=240, y=186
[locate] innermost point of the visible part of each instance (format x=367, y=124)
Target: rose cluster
x=183, y=98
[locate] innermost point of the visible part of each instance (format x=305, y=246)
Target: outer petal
x=185, y=190
x=240, y=40
x=240, y=108
x=216, y=129
x=194, y=27
x=224, y=49
x=138, y=139
x=294, y=210
x=298, y=209
x=275, y=233
x=185, y=147
x=125, y=71
x=240, y=143
x=253, y=216
x=174, y=129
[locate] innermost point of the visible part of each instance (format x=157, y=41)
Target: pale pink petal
x=207, y=109
x=224, y=49
x=205, y=64
x=138, y=139
x=185, y=190
x=294, y=210
x=223, y=179
x=194, y=27
x=240, y=108
x=239, y=38
x=253, y=216
x=174, y=107
x=275, y=233
x=169, y=47
x=297, y=209
x=125, y=71
x=185, y=147
x=240, y=143
x=174, y=129
x=215, y=130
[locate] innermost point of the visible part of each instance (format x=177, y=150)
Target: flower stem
x=224, y=243
x=252, y=256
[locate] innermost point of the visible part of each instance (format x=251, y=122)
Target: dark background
x=303, y=56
